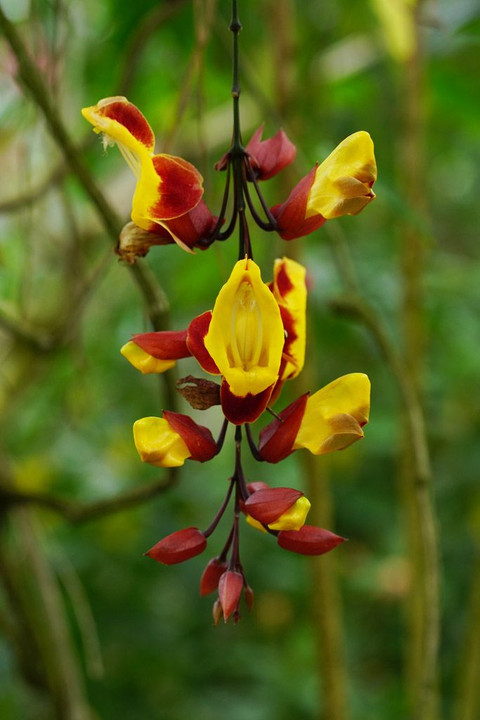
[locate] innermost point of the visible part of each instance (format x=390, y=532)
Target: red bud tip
x=309, y=540
x=229, y=591
x=211, y=575
x=266, y=506
x=179, y=546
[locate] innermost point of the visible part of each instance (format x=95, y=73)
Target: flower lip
x=246, y=337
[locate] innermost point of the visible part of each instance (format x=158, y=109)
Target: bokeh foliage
x=143, y=636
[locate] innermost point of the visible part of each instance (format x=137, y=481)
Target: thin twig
x=78, y=513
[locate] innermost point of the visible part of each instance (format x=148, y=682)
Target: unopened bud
x=229, y=591
x=179, y=546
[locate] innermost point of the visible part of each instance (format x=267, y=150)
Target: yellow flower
x=343, y=182
x=168, y=187
x=246, y=335
x=334, y=415
x=158, y=444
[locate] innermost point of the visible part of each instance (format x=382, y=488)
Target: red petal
x=211, y=576
x=195, y=227
x=197, y=438
x=180, y=190
x=272, y=155
x=229, y=591
x=164, y=345
x=266, y=506
x=278, y=437
x=179, y=546
x=239, y=410
x=256, y=486
x=126, y=114
x=309, y=540
x=196, y=332
x=290, y=216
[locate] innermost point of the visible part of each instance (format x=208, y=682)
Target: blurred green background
x=137, y=641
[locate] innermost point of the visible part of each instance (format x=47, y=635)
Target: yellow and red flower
x=341, y=185
x=168, y=196
x=254, y=338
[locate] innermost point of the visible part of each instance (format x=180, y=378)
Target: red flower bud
x=179, y=546
x=198, y=439
x=229, y=591
x=278, y=437
x=211, y=575
x=270, y=156
x=266, y=506
x=309, y=540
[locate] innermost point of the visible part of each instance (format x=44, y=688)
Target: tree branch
x=78, y=513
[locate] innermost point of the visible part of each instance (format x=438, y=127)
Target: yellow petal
x=144, y=362
x=123, y=124
x=290, y=292
x=158, y=444
x=246, y=336
x=335, y=414
x=343, y=182
x=293, y=518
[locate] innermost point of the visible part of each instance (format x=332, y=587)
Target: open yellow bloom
x=334, y=415
x=246, y=336
x=343, y=182
x=158, y=444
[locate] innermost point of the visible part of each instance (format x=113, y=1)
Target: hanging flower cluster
x=251, y=342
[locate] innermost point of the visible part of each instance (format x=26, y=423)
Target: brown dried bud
x=199, y=393
x=135, y=242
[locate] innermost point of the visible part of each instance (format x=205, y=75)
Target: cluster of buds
x=252, y=341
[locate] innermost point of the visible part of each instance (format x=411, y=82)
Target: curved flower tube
x=341, y=185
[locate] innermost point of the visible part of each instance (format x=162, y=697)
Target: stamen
x=131, y=158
